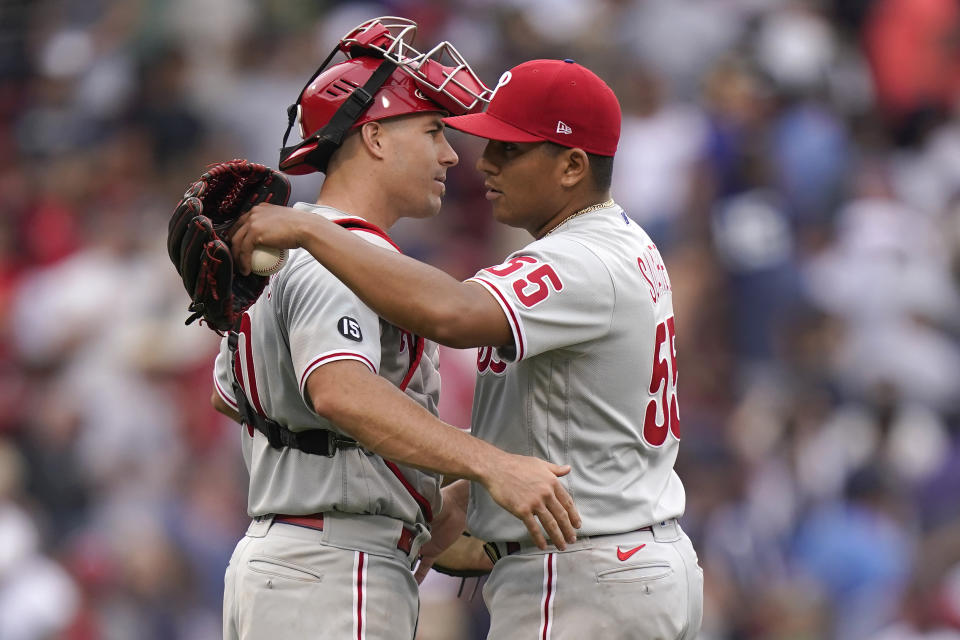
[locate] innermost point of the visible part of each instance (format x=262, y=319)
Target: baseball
x=265, y=260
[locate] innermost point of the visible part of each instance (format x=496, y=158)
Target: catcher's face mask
x=383, y=76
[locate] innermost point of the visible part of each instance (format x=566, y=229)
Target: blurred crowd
x=797, y=162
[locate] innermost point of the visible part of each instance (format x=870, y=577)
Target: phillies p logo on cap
x=504, y=79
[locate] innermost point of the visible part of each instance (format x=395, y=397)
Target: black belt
x=315, y=521
x=320, y=442
x=492, y=549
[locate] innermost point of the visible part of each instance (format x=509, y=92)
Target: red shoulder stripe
x=416, y=353
x=421, y=501
x=359, y=223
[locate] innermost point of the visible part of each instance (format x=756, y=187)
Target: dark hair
x=601, y=167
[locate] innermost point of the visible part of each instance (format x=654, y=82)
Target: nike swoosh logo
x=623, y=556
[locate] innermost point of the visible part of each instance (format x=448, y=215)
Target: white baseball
x=266, y=260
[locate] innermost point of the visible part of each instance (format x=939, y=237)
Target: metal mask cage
x=436, y=69
x=397, y=33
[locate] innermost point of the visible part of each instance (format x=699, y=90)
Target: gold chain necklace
x=593, y=207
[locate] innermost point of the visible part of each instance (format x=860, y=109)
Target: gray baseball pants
x=642, y=585
x=348, y=581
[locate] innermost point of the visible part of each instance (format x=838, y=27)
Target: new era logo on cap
x=563, y=127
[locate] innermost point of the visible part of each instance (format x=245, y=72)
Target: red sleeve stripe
x=511, y=315
x=223, y=394
x=331, y=357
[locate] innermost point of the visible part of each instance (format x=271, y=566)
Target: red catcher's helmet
x=383, y=76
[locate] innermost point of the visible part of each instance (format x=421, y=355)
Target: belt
x=315, y=521
x=321, y=442
x=493, y=549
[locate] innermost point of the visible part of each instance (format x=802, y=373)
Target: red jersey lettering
x=663, y=388
x=487, y=359
x=539, y=278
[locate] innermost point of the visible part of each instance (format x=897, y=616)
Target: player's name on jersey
x=654, y=272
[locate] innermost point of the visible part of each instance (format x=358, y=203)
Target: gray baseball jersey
x=304, y=319
x=591, y=378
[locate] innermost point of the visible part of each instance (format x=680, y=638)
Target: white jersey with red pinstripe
x=304, y=319
x=591, y=378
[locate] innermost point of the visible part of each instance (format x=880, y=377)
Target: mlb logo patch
x=563, y=127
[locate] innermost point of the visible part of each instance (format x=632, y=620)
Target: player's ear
x=574, y=166
x=372, y=137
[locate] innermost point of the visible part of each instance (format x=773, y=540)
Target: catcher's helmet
x=383, y=76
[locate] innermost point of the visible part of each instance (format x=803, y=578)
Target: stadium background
x=797, y=162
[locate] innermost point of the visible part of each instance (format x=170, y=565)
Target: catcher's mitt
x=199, y=246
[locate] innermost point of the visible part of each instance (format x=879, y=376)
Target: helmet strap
x=330, y=136
x=292, y=109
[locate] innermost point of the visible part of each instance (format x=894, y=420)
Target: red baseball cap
x=554, y=100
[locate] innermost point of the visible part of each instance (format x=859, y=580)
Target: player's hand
x=446, y=528
x=267, y=225
x=465, y=558
x=530, y=489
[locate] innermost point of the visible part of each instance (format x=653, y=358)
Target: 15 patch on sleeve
x=349, y=328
